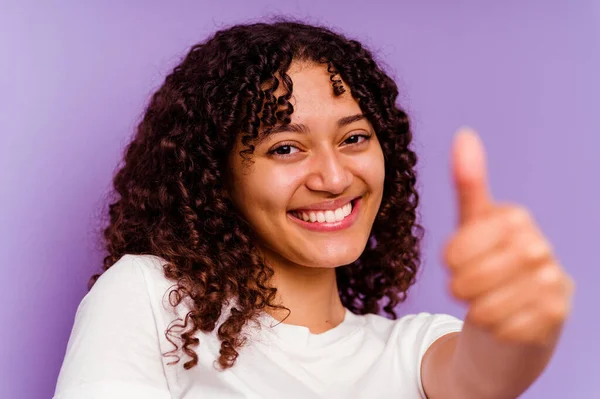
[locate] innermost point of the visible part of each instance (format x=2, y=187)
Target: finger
x=470, y=175
x=523, y=326
x=494, y=308
x=504, y=225
x=488, y=274
x=476, y=239
x=531, y=287
x=481, y=275
x=529, y=326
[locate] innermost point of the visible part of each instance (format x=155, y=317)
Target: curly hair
x=168, y=197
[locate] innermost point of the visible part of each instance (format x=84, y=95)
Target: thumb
x=470, y=175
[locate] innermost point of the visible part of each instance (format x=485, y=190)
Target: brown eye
x=283, y=150
x=357, y=138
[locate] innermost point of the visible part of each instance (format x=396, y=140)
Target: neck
x=311, y=295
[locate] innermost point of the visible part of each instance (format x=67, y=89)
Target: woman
x=266, y=212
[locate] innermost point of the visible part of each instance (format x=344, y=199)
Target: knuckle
x=549, y=276
x=570, y=285
x=556, y=312
x=448, y=254
x=535, y=250
x=518, y=216
x=451, y=255
x=507, y=335
x=456, y=289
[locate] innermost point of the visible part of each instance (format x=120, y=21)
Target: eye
x=357, y=138
x=285, y=149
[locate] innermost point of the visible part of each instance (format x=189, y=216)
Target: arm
x=517, y=293
x=473, y=364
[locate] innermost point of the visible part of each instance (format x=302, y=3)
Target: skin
x=499, y=262
x=325, y=163
x=518, y=295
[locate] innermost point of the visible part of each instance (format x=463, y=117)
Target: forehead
x=313, y=97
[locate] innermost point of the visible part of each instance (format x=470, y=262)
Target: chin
x=339, y=257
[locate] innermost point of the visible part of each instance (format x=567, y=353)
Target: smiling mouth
x=325, y=216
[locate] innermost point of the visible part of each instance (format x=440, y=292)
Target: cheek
x=266, y=190
x=371, y=169
x=281, y=182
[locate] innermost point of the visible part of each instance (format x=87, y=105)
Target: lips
x=323, y=206
x=321, y=216
x=329, y=219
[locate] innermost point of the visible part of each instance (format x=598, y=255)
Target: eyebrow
x=301, y=128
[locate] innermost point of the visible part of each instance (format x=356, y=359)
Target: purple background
x=74, y=77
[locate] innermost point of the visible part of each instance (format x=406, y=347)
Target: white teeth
x=347, y=209
x=326, y=216
x=329, y=216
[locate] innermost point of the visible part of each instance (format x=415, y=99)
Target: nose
x=329, y=173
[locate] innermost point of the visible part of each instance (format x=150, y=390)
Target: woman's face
x=312, y=190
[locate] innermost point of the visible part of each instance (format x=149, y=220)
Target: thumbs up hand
x=500, y=262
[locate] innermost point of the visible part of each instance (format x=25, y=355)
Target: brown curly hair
x=168, y=196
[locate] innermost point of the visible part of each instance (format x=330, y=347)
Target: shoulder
x=411, y=335
x=133, y=283
x=132, y=268
x=130, y=278
x=114, y=332
x=123, y=296
x=414, y=332
x=424, y=324
x=414, y=322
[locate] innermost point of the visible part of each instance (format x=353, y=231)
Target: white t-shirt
x=116, y=345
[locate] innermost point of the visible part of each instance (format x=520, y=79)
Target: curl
x=169, y=199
